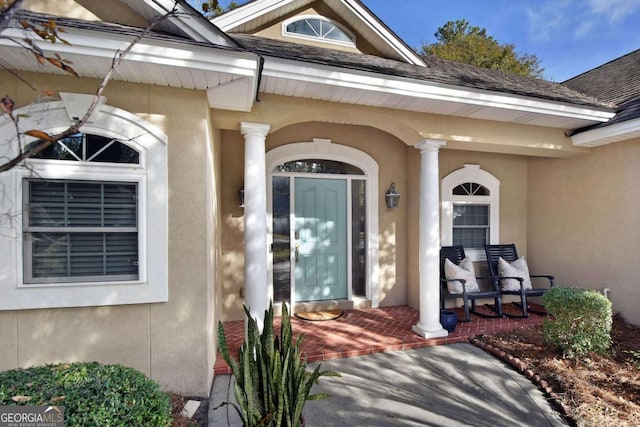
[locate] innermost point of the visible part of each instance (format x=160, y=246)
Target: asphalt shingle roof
x=437, y=70
x=108, y=27
x=617, y=82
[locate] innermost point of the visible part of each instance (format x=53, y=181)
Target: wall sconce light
x=241, y=197
x=392, y=197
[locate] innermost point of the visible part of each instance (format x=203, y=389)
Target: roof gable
x=253, y=16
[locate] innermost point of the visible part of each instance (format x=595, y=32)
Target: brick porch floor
x=360, y=332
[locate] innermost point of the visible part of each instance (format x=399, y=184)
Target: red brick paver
x=360, y=332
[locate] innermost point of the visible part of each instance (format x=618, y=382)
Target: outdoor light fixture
x=241, y=196
x=392, y=196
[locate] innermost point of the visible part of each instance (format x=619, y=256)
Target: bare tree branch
x=46, y=140
x=17, y=75
x=8, y=10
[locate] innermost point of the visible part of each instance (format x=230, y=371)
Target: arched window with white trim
x=319, y=28
x=91, y=221
x=470, y=210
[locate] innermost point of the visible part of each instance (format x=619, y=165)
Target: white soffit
x=608, y=134
x=256, y=14
x=151, y=61
x=289, y=78
x=236, y=95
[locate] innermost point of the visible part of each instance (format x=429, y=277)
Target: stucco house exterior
x=130, y=242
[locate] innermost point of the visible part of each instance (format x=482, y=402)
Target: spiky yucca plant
x=272, y=383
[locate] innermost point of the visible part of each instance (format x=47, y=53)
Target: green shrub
x=580, y=321
x=272, y=383
x=92, y=394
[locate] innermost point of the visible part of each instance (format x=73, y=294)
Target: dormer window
x=317, y=28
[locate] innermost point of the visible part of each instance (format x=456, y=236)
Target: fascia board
x=199, y=31
x=247, y=12
x=161, y=52
x=427, y=90
x=608, y=134
x=382, y=32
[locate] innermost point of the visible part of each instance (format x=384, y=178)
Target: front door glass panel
x=281, y=239
x=358, y=238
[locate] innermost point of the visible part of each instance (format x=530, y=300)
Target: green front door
x=320, y=245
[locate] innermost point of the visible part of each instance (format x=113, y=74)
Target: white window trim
x=470, y=173
x=152, y=178
x=291, y=20
x=326, y=150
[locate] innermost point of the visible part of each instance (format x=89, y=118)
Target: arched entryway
x=322, y=223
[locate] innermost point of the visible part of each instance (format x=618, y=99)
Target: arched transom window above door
x=470, y=210
x=319, y=166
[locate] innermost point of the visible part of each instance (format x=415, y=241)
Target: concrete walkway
x=447, y=385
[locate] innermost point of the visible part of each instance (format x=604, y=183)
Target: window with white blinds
x=470, y=210
x=91, y=222
x=80, y=231
x=471, y=225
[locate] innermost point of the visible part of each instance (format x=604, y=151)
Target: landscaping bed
x=594, y=391
x=199, y=419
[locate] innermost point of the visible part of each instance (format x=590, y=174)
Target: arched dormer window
x=317, y=28
x=470, y=210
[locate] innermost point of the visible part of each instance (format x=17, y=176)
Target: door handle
x=297, y=252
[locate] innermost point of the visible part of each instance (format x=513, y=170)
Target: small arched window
x=471, y=189
x=470, y=210
x=318, y=28
x=83, y=147
x=79, y=230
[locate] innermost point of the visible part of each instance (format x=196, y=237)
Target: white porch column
x=429, y=229
x=255, y=219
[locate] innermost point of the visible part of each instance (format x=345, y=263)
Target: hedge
x=92, y=394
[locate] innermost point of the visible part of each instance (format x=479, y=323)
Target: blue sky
x=569, y=36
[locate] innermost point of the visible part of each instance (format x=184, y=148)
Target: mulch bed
x=596, y=391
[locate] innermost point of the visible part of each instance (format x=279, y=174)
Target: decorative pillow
x=463, y=271
x=517, y=268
